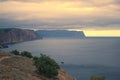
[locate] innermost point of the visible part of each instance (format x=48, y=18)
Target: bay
x=82, y=57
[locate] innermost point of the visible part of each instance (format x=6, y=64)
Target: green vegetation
x=23, y=53
x=46, y=66
x=15, y=52
x=26, y=54
x=97, y=78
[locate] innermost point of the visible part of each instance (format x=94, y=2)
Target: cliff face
x=13, y=35
x=60, y=34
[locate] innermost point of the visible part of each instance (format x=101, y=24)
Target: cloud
x=82, y=14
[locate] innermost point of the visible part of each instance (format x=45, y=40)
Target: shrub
x=46, y=66
x=26, y=54
x=15, y=52
x=23, y=53
x=97, y=78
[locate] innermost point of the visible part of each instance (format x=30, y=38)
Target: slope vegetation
x=21, y=68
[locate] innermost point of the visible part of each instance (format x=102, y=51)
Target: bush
x=46, y=66
x=15, y=52
x=97, y=78
x=23, y=53
x=35, y=58
x=26, y=54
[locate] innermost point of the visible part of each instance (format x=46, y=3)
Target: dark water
x=82, y=57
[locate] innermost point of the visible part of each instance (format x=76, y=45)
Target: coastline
x=6, y=45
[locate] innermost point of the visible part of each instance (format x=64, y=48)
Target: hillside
x=13, y=35
x=22, y=68
x=60, y=34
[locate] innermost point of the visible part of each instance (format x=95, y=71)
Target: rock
x=14, y=35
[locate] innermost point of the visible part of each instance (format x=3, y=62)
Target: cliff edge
x=14, y=35
x=60, y=34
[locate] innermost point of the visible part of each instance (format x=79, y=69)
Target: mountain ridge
x=60, y=34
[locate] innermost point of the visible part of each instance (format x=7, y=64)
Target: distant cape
x=60, y=34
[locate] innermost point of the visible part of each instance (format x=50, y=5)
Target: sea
x=81, y=58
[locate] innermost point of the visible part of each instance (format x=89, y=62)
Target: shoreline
x=5, y=45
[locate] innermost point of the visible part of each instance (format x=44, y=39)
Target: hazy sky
x=87, y=15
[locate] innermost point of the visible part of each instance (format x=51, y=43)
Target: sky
x=94, y=17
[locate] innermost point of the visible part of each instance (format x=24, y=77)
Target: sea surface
x=82, y=58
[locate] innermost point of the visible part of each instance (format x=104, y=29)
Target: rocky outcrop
x=13, y=35
x=64, y=76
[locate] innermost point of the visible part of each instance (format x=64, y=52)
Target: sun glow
x=99, y=33
x=104, y=33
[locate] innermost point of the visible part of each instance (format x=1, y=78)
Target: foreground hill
x=60, y=34
x=22, y=68
x=13, y=35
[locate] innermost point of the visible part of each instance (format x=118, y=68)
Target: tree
x=26, y=54
x=15, y=52
x=97, y=78
x=46, y=66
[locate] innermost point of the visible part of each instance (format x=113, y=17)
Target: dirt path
x=5, y=57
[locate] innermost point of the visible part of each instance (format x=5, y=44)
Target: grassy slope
x=22, y=68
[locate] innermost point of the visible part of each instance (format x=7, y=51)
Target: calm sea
x=82, y=57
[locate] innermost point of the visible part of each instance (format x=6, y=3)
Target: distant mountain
x=60, y=34
x=13, y=35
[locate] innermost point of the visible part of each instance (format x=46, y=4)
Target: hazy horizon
x=95, y=18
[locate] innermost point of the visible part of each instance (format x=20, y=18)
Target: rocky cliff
x=60, y=34
x=13, y=35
